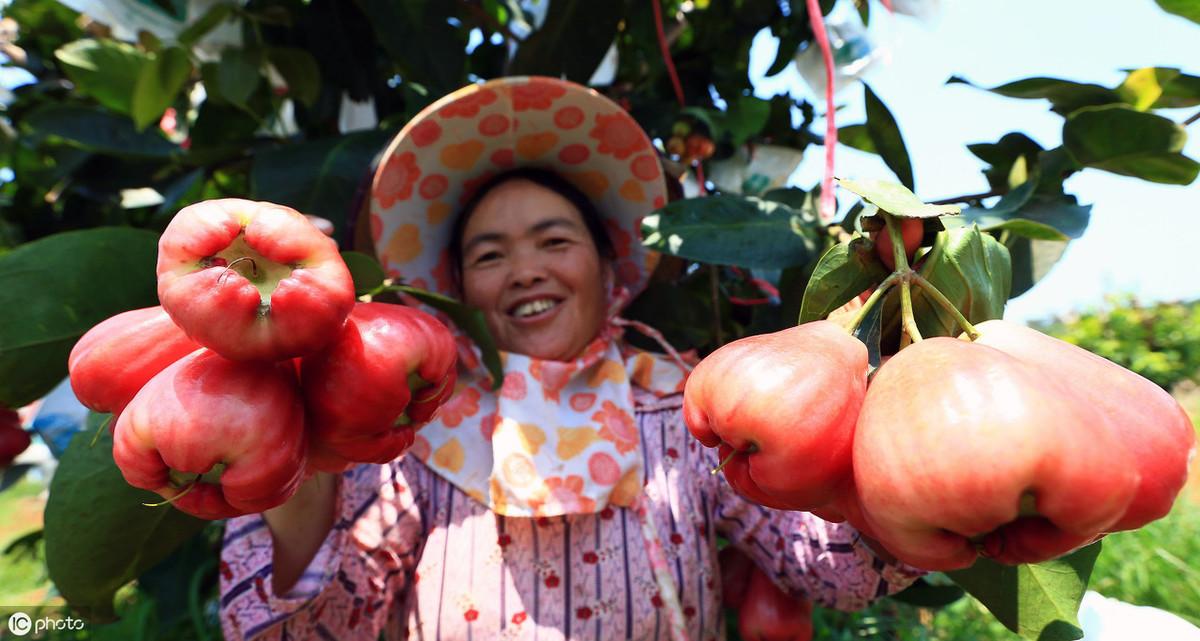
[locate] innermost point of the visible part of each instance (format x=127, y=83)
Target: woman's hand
x=299, y=526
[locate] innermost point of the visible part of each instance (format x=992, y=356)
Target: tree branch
x=967, y=198
x=1194, y=118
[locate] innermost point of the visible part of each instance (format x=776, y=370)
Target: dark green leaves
x=235, y=77
x=886, y=138
x=1065, y=96
x=732, y=230
x=99, y=536
x=299, y=69
x=1189, y=9
x=367, y=273
x=107, y=70
x=54, y=289
x=845, y=271
x=1039, y=601
x=158, y=83
x=973, y=271
x=895, y=199
x=319, y=177
x=420, y=40
x=97, y=130
x=571, y=42
x=1125, y=141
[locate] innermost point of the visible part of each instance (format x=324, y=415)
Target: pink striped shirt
x=413, y=557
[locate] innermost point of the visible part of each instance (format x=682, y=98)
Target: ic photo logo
x=20, y=624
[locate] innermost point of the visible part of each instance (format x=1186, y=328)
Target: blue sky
x=991, y=43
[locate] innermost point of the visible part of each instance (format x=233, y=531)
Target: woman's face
x=530, y=264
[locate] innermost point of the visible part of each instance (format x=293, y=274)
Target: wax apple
x=782, y=407
x=252, y=280
x=381, y=379
x=217, y=437
x=117, y=357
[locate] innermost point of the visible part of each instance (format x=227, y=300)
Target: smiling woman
x=567, y=499
x=533, y=255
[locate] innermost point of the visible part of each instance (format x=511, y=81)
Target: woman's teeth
x=534, y=307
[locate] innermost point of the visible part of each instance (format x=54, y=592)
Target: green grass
x=23, y=579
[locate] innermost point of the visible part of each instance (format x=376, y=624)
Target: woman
x=570, y=503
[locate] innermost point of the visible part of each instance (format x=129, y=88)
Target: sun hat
x=453, y=146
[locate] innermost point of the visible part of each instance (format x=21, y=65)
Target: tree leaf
x=421, y=41
x=926, y=594
x=49, y=298
x=300, y=70
x=1038, y=601
x=237, y=75
x=857, y=137
x=973, y=270
x=1182, y=91
x=886, y=138
x=1065, y=96
x=732, y=230
x=211, y=19
x=468, y=319
x=159, y=83
x=319, y=177
x=1189, y=9
x=746, y=118
x=367, y=273
x=1143, y=87
x=106, y=70
x=571, y=41
x=1032, y=259
x=896, y=199
x=844, y=271
x=98, y=131
x=1124, y=141
x=1005, y=153
x=99, y=536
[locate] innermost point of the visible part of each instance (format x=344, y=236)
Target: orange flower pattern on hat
x=556, y=437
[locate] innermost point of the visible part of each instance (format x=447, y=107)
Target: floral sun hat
x=556, y=437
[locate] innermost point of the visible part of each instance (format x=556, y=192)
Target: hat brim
x=434, y=165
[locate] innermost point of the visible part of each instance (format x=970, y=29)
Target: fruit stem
x=187, y=488
x=873, y=299
x=253, y=268
x=906, y=307
x=893, y=230
x=100, y=430
x=941, y=299
x=750, y=450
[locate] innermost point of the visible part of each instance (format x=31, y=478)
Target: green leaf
x=468, y=319
x=844, y=271
x=886, y=138
x=98, y=131
x=1189, y=9
x=1003, y=154
x=54, y=289
x=926, y=594
x=237, y=75
x=857, y=137
x=420, y=40
x=211, y=19
x=1143, y=87
x=1065, y=96
x=571, y=41
x=1032, y=259
x=1128, y=142
x=746, y=118
x=896, y=199
x=732, y=230
x=973, y=270
x=319, y=177
x=299, y=69
x=367, y=273
x=158, y=84
x=1038, y=601
x=1182, y=91
x=99, y=536
x=106, y=70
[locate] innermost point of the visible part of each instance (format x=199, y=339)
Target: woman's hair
x=544, y=178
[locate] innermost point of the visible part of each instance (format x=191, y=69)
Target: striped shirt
x=412, y=557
